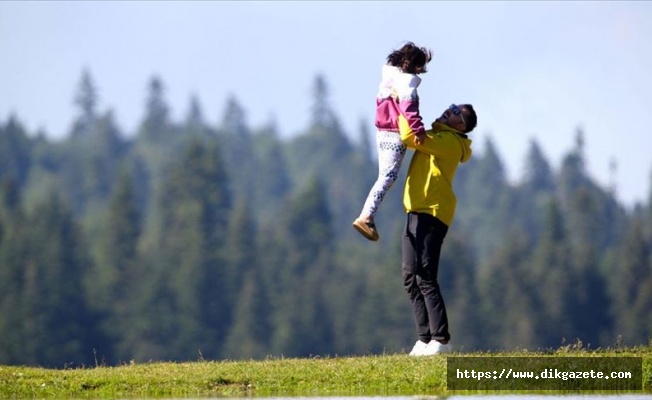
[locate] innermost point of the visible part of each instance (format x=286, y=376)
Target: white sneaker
x=419, y=348
x=432, y=348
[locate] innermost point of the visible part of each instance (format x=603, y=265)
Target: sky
x=533, y=70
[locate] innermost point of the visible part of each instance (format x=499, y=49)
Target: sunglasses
x=457, y=111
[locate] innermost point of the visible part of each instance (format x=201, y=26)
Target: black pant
x=422, y=241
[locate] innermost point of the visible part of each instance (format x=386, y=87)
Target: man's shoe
x=419, y=348
x=432, y=348
x=366, y=228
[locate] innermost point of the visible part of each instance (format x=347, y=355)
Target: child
x=397, y=95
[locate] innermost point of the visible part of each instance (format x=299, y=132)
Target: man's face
x=454, y=116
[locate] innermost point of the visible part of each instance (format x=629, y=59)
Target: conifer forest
x=189, y=240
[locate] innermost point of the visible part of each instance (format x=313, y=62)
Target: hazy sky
x=532, y=70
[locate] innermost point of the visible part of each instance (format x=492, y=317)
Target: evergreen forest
x=188, y=240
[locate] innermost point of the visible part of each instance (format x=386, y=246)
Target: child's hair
x=410, y=58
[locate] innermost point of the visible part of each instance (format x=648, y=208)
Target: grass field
x=381, y=375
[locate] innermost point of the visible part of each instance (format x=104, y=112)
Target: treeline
x=187, y=240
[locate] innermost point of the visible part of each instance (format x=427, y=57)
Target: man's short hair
x=470, y=120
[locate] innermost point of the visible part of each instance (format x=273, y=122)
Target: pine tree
x=531, y=196
x=379, y=318
x=305, y=233
x=195, y=123
x=245, y=292
x=630, y=287
x=249, y=333
x=237, y=144
x=117, y=275
x=508, y=312
x=188, y=269
x=57, y=329
x=551, y=280
x=572, y=176
x=457, y=279
x=538, y=176
x=271, y=182
x=90, y=155
x=484, y=201
x=322, y=113
x=156, y=143
x=15, y=152
x=13, y=253
x=246, y=302
x=234, y=120
x=594, y=222
x=156, y=125
x=86, y=99
x=239, y=251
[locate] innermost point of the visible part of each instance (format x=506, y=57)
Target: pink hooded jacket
x=397, y=95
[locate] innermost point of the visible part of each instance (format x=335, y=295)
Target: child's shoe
x=366, y=228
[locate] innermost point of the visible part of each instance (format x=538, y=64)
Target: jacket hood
x=462, y=138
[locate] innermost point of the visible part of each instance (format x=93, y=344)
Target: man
x=430, y=202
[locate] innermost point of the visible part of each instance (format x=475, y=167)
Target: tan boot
x=366, y=228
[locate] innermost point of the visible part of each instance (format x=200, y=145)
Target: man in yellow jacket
x=429, y=201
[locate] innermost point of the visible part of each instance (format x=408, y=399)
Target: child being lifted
x=397, y=95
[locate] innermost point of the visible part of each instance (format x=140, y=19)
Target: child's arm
x=408, y=102
x=408, y=137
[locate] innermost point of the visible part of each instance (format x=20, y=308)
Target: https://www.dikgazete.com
x=548, y=373
x=544, y=373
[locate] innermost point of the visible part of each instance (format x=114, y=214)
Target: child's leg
x=390, y=156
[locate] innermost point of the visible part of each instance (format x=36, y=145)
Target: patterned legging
x=390, y=156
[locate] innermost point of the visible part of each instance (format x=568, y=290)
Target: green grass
x=386, y=375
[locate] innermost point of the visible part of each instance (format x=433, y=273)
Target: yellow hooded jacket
x=429, y=184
